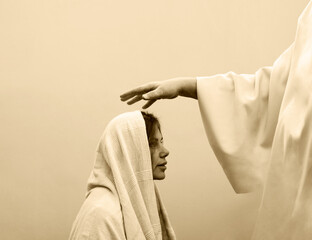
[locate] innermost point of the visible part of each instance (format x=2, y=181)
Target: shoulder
x=104, y=205
x=100, y=217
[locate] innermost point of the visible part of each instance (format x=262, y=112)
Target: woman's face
x=158, y=153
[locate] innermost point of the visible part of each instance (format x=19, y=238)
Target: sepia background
x=63, y=65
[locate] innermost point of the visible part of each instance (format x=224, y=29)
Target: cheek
x=154, y=158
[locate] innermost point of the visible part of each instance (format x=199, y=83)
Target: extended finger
x=137, y=91
x=155, y=94
x=149, y=103
x=135, y=99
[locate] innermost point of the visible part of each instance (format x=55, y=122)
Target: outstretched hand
x=167, y=89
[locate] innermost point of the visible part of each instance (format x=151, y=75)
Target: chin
x=161, y=176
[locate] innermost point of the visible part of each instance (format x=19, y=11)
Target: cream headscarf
x=123, y=165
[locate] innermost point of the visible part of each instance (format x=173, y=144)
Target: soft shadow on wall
x=63, y=66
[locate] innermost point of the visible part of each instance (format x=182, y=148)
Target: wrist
x=188, y=87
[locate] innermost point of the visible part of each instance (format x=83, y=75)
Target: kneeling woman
x=122, y=200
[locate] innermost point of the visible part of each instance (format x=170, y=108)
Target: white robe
x=260, y=128
x=122, y=200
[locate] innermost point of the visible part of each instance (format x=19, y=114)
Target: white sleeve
x=240, y=112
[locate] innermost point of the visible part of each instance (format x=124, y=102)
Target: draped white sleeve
x=259, y=127
x=240, y=112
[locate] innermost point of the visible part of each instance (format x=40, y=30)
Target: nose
x=164, y=153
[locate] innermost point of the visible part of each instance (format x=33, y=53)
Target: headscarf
x=123, y=165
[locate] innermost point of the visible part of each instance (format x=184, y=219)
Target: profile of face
x=158, y=153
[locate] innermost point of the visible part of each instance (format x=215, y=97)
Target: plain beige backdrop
x=63, y=65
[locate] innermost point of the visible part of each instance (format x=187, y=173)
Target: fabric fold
x=259, y=127
x=122, y=182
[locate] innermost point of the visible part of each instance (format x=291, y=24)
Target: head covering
x=123, y=165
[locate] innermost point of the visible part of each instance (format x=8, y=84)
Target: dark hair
x=150, y=120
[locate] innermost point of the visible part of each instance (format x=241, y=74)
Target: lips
x=162, y=164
